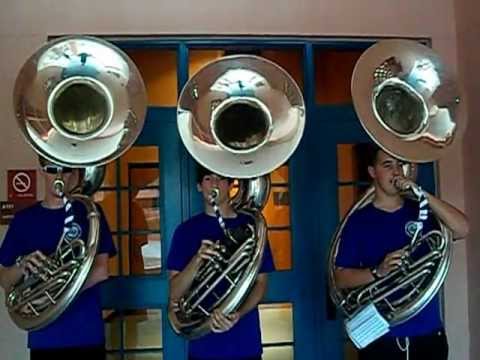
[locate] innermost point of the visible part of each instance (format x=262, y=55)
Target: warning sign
x=22, y=185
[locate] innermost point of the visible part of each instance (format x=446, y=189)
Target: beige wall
x=24, y=25
x=468, y=33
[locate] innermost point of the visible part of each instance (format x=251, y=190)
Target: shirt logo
x=411, y=228
x=74, y=232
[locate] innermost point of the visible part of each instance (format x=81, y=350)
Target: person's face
x=384, y=171
x=212, y=181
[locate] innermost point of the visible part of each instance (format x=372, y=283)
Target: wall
x=24, y=25
x=468, y=32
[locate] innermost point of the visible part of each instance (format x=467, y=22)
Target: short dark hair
x=370, y=152
x=203, y=171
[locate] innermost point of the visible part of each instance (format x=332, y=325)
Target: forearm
x=98, y=273
x=453, y=218
x=256, y=295
x=95, y=277
x=347, y=278
x=181, y=281
x=9, y=276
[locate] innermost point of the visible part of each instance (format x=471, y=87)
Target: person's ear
x=199, y=187
x=371, y=171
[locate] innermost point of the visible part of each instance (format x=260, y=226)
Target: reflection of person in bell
x=197, y=241
x=32, y=237
x=374, y=243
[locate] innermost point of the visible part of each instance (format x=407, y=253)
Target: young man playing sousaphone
x=372, y=246
x=34, y=233
x=235, y=336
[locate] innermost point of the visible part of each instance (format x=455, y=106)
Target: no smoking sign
x=22, y=184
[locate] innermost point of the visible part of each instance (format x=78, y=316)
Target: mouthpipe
x=59, y=186
x=214, y=194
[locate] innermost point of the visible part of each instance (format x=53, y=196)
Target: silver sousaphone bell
x=407, y=101
x=241, y=116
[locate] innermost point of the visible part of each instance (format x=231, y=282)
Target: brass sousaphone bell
x=240, y=116
x=409, y=106
x=80, y=102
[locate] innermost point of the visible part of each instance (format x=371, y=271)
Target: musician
x=372, y=246
x=237, y=335
x=78, y=333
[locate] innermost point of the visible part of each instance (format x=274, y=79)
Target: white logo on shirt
x=411, y=228
x=74, y=232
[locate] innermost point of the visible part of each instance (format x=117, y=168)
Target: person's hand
x=33, y=263
x=208, y=250
x=173, y=305
x=391, y=262
x=220, y=323
x=404, y=184
x=173, y=308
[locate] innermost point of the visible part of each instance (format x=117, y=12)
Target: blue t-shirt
x=244, y=339
x=39, y=228
x=372, y=233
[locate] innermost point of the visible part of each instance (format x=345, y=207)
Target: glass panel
x=124, y=210
x=352, y=162
x=143, y=155
x=108, y=201
x=112, y=329
x=277, y=209
x=347, y=196
x=144, y=210
x=276, y=322
x=151, y=256
x=159, y=72
x=141, y=254
x=150, y=355
x=291, y=60
x=278, y=353
x=114, y=262
x=281, y=246
x=145, y=248
x=198, y=58
x=143, y=329
x=124, y=252
x=333, y=72
x=110, y=179
x=144, y=176
x=352, y=168
x=347, y=164
x=280, y=175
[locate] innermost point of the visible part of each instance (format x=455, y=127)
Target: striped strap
x=422, y=203
x=422, y=212
x=213, y=203
x=67, y=224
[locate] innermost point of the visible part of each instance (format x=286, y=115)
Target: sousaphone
x=240, y=116
x=80, y=102
x=407, y=102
